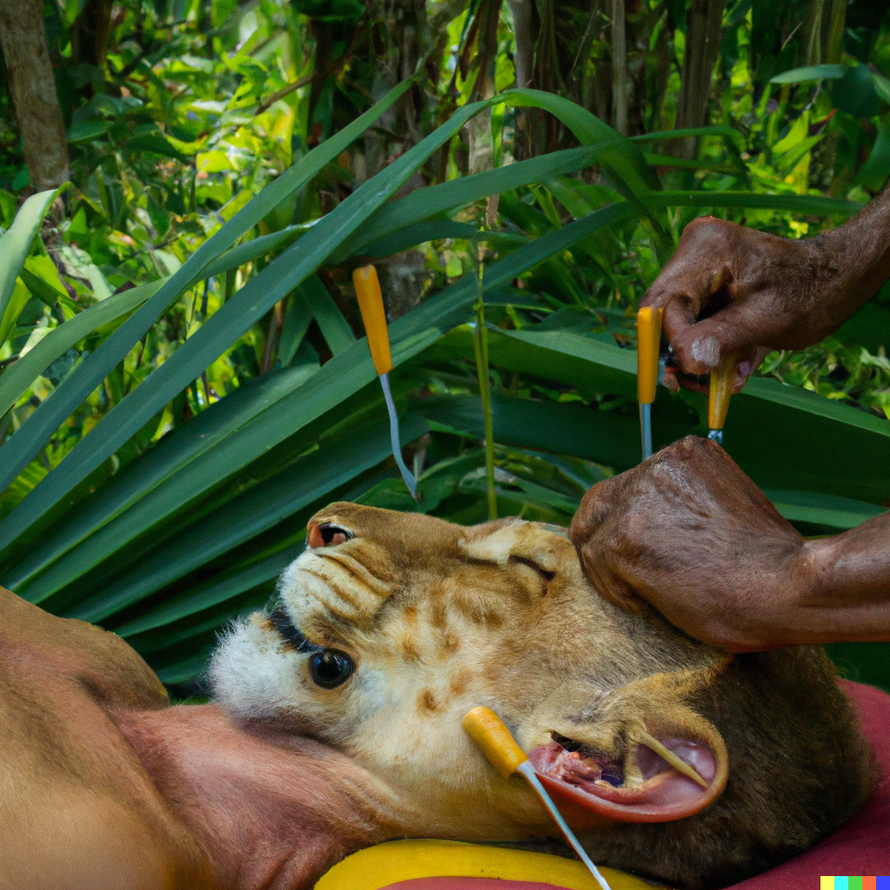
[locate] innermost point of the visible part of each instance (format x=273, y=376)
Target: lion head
x=670, y=758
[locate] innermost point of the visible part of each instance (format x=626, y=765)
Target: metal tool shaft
x=395, y=438
x=528, y=771
x=646, y=429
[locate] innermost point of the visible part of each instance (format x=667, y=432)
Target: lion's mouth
x=574, y=763
x=577, y=764
x=641, y=780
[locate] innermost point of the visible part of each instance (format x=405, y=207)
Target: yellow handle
x=722, y=379
x=648, y=338
x=370, y=304
x=488, y=731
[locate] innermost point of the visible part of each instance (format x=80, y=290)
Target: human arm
x=690, y=534
x=733, y=291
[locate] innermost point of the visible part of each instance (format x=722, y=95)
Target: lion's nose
x=323, y=534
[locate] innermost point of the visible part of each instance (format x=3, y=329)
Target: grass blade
x=15, y=245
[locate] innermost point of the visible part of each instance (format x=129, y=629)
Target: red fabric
x=862, y=846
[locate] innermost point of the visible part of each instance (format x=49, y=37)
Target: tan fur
x=76, y=810
x=443, y=618
x=103, y=785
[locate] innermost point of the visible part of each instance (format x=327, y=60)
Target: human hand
x=733, y=291
x=688, y=532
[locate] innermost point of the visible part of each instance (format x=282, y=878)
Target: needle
x=648, y=338
x=719, y=391
x=488, y=731
x=370, y=304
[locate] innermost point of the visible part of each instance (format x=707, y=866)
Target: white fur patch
x=251, y=671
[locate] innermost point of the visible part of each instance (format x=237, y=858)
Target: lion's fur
x=440, y=618
x=103, y=785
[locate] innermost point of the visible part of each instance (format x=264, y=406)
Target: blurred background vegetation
x=183, y=374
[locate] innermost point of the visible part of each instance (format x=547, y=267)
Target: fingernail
x=745, y=368
x=706, y=350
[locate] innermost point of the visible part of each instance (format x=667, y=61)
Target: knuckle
x=710, y=230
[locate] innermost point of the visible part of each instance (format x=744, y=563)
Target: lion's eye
x=330, y=668
x=327, y=535
x=331, y=534
x=546, y=576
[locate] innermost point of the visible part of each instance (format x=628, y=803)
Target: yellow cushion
x=378, y=867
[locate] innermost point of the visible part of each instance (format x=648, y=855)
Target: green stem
x=480, y=342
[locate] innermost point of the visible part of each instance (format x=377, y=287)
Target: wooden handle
x=370, y=304
x=722, y=379
x=648, y=339
x=488, y=731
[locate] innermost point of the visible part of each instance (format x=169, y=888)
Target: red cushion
x=862, y=846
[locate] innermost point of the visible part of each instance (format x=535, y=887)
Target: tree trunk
x=704, y=27
x=525, y=46
x=33, y=92
x=619, y=65
x=89, y=36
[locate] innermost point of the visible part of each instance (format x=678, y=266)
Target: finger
x=699, y=348
x=679, y=316
x=595, y=507
x=748, y=364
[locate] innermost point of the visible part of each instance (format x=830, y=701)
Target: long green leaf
x=56, y=343
x=601, y=436
x=781, y=436
x=726, y=132
x=812, y=205
x=251, y=514
x=223, y=441
x=423, y=204
x=20, y=449
x=15, y=245
x=333, y=326
x=822, y=509
x=813, y=72
x=625, y=164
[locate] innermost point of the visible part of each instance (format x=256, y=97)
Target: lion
x=336, y=724
x=676, y=760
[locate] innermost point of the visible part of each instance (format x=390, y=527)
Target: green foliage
x=184, y=379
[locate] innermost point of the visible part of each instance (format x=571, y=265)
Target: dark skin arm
x=689, y=533
x=730, y=290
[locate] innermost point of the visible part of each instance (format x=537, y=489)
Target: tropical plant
x=162, y=445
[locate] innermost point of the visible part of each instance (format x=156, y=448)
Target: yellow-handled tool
x=719, y=391
x=488, y=731
x=648, y=340
x=370, y=304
